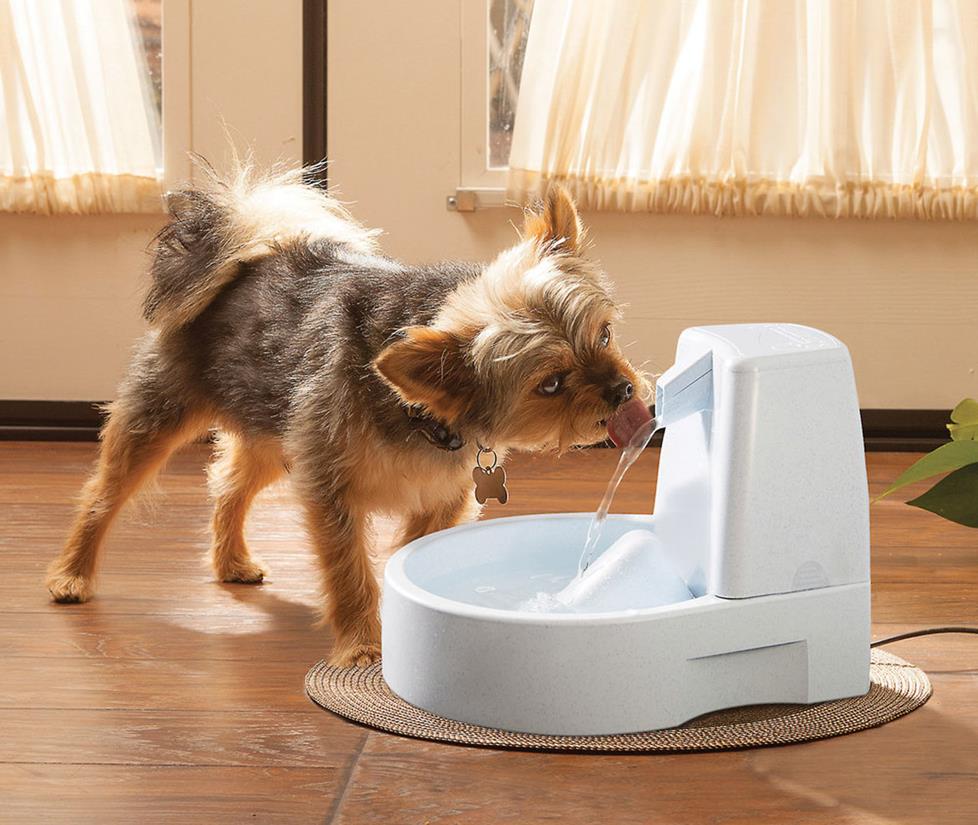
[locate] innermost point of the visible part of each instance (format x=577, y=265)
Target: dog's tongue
x=627, y=420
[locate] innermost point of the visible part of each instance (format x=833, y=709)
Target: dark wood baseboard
x=50, y=420
x=904, y=430
x=897, y=430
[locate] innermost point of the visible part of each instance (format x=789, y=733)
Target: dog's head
x=525, y=355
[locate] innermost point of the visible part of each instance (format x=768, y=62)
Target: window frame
x=177, y=94
x=203, y=109
x=480, y=185
x=314, y=110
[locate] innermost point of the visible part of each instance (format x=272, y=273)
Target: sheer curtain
x=862, y=108
x=78, y=129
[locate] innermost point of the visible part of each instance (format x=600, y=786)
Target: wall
x=70, y=286
x=69, y=302
x=903, y=296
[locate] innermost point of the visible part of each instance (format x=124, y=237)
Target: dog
x=378, y=386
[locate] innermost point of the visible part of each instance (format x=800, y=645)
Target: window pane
x=509, y=22
x=147, y=13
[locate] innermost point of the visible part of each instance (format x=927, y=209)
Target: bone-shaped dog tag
x=490, y=484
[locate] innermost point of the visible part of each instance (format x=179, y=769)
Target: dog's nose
x=619, y=393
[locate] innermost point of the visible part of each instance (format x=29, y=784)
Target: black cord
x=925, y=632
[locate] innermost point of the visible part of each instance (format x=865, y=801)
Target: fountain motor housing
x=762, y=477
x=761, y=505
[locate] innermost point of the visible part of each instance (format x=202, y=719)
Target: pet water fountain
x=748, y=585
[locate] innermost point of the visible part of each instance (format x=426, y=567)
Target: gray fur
x=189, y=249
x=302, y=327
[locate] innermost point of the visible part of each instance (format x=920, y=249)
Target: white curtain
x=862, y=108
x=78, y=130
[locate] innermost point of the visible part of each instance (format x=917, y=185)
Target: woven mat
x=362, y=695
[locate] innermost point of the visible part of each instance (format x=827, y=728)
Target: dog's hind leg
x=144, y=428
x=240, y=471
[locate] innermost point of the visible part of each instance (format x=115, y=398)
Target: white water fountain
x=753, y=586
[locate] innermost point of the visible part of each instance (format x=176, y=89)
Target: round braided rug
x=897, y=688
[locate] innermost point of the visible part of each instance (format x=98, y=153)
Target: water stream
x=629, y=455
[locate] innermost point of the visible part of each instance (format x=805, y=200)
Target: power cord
x=928, y=631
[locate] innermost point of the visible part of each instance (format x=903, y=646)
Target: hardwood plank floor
x=172, y=698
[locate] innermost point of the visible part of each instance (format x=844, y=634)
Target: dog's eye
x=551, y=385
x=605, y=338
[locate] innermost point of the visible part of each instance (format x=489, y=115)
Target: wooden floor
x=172, y=698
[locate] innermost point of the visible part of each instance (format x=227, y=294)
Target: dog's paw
x=67, y=589
x=243, y=572
x=360, y=654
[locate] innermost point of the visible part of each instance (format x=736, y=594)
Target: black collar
x=432, y=429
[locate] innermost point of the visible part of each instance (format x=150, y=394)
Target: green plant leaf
x=963, y=432
x=955, y=497
x=966, y=412
x=964, y=418
x=944, y=459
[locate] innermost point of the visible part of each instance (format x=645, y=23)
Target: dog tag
x=490, y=482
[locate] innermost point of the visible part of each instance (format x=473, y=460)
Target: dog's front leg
x=340, y=538
x=440, y=517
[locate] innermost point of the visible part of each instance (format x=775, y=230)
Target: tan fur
x=428, y=368
x=129, y=457
x=556, y=222
x=538, y=309
x=240, y=471
x=341, y=539
x=463, y=508
x=338, y=512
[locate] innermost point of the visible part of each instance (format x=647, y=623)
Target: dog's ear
x=556, y=222
x=428, y=367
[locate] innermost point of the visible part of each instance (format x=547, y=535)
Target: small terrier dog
x=377, y=385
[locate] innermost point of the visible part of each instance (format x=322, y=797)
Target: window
x=509, y=24
x=493, y=35
x=845, y=110
x=149, y=20
x=172, y=59
x=81, y=115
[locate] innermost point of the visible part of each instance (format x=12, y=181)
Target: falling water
x=629, y=455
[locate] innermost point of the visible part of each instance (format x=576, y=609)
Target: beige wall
x=70, y=286
x=903, y=296
x=69, y=302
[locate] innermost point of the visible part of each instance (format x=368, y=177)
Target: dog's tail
x=223, y=223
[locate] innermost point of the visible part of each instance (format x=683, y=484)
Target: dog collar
x=432, y=429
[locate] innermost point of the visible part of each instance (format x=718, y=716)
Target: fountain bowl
x=459, y=642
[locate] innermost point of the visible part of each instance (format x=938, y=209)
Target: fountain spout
x=683, y=390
